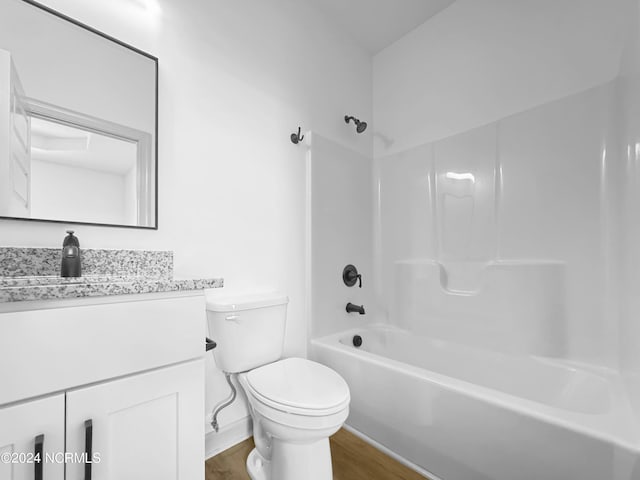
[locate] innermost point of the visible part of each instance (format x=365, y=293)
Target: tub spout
x=351, y=308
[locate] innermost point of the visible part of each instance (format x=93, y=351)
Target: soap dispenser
x=71, y=266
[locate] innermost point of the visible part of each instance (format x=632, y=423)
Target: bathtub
x=461, y=413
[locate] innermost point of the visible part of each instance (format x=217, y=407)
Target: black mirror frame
x=138, y=51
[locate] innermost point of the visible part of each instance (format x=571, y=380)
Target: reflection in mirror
x=78, y=121
x=81, y=175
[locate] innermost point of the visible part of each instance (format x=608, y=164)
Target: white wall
x=481, y=60
x=521, y=94
x=341, y=214
x=81, y=194
x=236, y=79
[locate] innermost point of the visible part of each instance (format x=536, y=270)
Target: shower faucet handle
x=350, y=276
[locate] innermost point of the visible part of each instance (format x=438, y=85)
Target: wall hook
x=297, y=137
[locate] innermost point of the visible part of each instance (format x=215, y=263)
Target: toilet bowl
x=295, y=403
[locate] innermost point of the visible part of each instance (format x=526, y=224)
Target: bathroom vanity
x=110, y=385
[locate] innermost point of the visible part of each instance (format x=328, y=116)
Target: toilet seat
x=299, y=386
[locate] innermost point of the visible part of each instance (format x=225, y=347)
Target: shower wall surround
x=494, y=147
x=529, y=189
x=340, y=209
x=628, y=231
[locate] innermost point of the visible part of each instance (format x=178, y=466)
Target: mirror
x=78, y=122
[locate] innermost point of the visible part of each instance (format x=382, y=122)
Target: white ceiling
x=376, y=24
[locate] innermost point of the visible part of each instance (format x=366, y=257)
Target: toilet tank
x=248, y=329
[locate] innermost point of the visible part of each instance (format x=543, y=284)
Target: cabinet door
x=147, y=426
x=22, y=428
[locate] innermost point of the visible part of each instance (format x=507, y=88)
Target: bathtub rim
x=581, y=423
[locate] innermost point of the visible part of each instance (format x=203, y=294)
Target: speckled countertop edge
x=41, y=281
x=107, y=288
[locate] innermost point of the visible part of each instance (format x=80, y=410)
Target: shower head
x=360, y=126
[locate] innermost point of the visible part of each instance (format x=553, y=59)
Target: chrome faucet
x=351, y=308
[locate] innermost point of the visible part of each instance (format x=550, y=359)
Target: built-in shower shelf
x=512, y=305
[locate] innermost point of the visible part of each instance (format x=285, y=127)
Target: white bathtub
x=468, y=414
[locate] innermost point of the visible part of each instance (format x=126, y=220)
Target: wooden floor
x=353, y=459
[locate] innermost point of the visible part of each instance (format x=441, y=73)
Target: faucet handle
x=350, y=276
x=70, y=239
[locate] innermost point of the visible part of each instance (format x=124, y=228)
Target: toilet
x=295, y=403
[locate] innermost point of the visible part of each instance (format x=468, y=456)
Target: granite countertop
x=29, y=288
x=31, y=274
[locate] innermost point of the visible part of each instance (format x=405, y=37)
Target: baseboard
x=391, y=453
x=227, y=437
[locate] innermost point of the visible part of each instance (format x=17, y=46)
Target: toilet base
x=257, y=467
x=292, y=461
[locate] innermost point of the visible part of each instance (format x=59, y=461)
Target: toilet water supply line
x=224, y=404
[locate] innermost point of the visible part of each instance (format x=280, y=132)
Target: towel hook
x=297, y=137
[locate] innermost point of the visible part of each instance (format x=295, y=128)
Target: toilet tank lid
x=236, y=302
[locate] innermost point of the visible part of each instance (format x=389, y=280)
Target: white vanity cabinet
x=119, y=379
x=32, y=431
x=139, y=427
